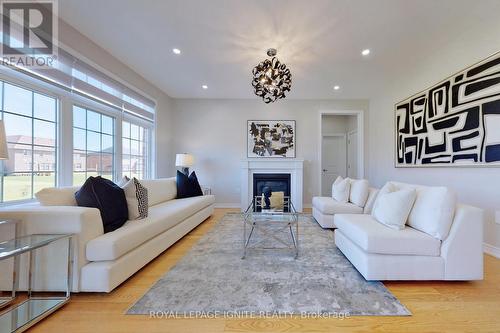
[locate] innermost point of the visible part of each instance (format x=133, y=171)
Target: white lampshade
x=4, y=151
x=184, y=160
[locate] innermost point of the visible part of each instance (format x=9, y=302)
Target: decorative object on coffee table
x=271, y=138
x=185, y=161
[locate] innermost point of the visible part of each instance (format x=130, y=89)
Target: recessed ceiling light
x=336, y=87
x=365, y=52
x=204, y=86
x=176, y=51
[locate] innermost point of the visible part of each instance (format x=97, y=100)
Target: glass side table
x=4, y=301
x=22, y=316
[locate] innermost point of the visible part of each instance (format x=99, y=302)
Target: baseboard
x=491, y=250
x=227, y=205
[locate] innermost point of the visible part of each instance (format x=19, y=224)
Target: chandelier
x=271, y=79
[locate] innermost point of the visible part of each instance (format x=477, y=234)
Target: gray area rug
x=213, y=279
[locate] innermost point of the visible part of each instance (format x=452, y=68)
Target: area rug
x=214, y=279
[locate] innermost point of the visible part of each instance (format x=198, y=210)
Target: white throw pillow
x=57, y=196
x=123, y=181
x=341, y=189
x=433, y=211
x=393, y=207
x=359, y=192
x=137, y=199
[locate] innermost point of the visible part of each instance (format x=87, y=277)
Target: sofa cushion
x=393, y=206
x=109, y=198
x=57, y=196
x=327, y=205
x=341, y=189
x=370, y=201
x=359, y=192
x=433, y=210
x=161, y=217
x=160, y=190
x=374, y=237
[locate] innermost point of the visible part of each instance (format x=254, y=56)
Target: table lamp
x=184, y=161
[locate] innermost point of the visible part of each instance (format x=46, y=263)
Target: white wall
x=475, y=186
x=335, y=124
x=215, y=132
x=75, y=40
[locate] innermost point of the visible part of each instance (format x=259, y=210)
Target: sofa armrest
x=462, y=250
x=84, y=223
x=372, y=196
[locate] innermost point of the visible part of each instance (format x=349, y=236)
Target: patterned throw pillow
x=137, y=199
x=142, y=198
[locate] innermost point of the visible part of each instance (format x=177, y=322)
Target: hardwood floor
x=436, y=306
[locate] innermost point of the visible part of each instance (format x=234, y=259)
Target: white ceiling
x=320, y=40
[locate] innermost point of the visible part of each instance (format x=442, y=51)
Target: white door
x=352, y=154
x=333, y=161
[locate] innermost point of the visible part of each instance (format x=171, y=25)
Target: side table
x=22, y=316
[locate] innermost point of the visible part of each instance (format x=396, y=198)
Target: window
x=135, y=150
x=93, y=145
x=30, y=120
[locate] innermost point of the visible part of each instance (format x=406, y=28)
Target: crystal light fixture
x=271, y=79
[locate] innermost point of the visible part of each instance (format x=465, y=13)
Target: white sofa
x=454, y=251
x=102, y=261
x=325, y=208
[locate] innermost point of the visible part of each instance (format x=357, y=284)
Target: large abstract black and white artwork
x=271, y=138
x=454, y=123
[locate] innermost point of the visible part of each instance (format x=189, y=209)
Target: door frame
x=360, y=128
x=347, y=142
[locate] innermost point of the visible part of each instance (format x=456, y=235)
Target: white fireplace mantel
x=294, y=167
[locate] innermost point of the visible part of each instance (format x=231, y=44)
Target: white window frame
x=151, y=170
x=64, y=125
x=39, y=90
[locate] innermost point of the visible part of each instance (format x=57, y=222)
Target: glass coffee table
x=271, y=224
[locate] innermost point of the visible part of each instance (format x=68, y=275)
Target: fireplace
x=272, y=182
x=292, y=168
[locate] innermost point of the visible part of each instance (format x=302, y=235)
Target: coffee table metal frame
x=259, y=219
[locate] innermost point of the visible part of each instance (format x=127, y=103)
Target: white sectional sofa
x=438, y=242
x=102, y=261
x=325, y=208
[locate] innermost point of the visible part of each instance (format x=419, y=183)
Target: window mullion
x=118, y=161
x=32, y=144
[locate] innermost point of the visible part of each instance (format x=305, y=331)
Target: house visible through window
x=30, y=120
x=93, y=145
x=135, y=150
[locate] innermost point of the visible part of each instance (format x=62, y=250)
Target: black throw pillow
x=188, y=187
x=109, y=198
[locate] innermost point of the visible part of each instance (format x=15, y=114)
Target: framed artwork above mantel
x=454, y=123
x=271, y=138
